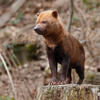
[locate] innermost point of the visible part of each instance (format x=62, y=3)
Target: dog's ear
x=55, y=13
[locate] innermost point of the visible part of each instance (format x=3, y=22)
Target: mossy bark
x=69, y=92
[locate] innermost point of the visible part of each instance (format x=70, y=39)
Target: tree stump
x=69, y=92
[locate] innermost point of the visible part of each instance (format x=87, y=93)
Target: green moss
x=27, y=51
x=6, y=98
x=33, y=50
x=91, y=76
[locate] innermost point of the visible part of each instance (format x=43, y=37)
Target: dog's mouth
x=39, y=30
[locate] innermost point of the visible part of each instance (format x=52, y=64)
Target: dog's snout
x=39, y=29
x=36, y=28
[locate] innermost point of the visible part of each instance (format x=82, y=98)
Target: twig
x=71, y=16
x=9, y=75
x=12, y=58
x=16, y=59
x=81, y=15
x=6, y=58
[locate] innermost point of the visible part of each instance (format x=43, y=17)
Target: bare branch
x=86, y=30
x=71, y=16
x=9, y=75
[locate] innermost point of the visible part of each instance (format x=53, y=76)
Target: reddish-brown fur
x=60, y=43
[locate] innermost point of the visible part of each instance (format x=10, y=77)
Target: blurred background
x=23, y=62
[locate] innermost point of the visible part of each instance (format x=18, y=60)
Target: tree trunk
x=69, y=92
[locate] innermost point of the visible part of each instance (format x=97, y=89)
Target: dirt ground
x=26, y=78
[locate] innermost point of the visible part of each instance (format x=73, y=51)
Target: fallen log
x=14, y=7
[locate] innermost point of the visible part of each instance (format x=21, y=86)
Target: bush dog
x=61, y=47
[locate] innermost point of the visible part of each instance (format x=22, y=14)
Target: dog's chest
x=59, y=54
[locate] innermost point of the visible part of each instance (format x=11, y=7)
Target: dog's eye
x=44, y=22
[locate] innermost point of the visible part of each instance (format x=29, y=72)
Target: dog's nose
x=36, y=28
